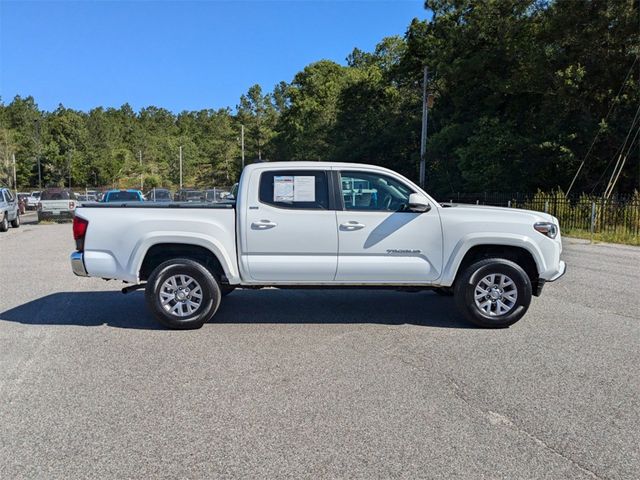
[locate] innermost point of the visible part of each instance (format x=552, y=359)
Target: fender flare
x=155, y=238
x=472, y=240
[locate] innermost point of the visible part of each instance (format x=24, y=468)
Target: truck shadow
x=269, y=306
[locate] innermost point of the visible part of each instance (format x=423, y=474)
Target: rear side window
x=300, y=189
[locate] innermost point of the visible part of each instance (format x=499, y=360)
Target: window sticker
x=304, y=188
x=283, y=188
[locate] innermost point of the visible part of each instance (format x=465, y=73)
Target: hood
x=502, y=212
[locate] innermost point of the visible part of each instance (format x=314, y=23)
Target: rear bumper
x=77, y=264
x=64, y=215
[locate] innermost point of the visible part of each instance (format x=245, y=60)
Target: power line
x=613, y=104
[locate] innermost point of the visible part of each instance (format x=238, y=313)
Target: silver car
x=9, y=213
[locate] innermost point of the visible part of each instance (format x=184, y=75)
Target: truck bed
x=224, y=205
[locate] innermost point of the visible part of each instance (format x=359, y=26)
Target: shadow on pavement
x=272, y=306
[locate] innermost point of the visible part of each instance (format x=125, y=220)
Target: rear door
x=380, y=240
x=291, y=232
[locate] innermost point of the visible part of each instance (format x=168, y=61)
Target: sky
x=180, y=55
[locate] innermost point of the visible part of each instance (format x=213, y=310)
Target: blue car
x=123, y=196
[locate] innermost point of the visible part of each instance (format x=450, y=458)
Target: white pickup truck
x=315, y=224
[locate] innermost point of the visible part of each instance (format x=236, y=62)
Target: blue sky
x=178, y=55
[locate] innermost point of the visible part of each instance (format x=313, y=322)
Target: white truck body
x=263, y=243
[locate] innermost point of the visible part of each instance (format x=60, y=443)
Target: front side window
x=373, y=191
x=300, y=189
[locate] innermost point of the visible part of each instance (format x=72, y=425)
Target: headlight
x=546, y=228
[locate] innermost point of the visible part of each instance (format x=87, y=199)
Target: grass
x=621, y=236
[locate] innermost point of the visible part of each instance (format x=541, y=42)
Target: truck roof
x=307, y=164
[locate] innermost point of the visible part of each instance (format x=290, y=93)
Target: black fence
x=617, y=217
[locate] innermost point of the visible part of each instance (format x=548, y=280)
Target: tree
x=258, y=115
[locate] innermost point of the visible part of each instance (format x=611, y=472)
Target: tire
x=4, y=223
x=500, y=307
x=167, y=284
x=226, y=289
x=16, y=223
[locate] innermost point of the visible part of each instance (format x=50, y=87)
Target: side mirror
x=419, y=203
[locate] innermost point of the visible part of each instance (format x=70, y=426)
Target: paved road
x=311, y=384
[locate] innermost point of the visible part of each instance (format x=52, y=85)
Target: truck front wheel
x=493, y=293
x=182, y=294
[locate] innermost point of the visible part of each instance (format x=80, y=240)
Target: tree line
x=525, y=92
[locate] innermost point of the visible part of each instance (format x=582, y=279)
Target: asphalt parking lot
x=315, y=384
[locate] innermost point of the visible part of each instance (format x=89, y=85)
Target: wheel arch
x=521, y=252
x=162, y=251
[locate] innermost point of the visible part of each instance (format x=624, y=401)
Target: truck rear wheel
x=182, y=294
x=493, y=293
x=16, y=222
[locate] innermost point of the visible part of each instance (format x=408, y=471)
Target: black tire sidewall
x=465, y=292
x=210, y=291
x=16, y=222
x=4, y=223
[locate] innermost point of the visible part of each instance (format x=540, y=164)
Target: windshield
x=57, y=195
x=122, y=197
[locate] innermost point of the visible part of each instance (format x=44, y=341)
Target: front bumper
x=562, y=269
x=77, y=264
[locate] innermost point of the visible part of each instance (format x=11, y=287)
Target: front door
x=380, y=240
x=291, y=232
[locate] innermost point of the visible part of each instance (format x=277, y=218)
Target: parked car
x=188, y=195
x=123, y=196
x=158, y=195
x=9, y=210
x=302, y=224
x=32, y=201
x=56, y=204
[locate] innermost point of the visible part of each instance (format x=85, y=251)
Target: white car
x=318, y=224
x=32, y=200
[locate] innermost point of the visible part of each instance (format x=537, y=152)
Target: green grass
x=620, y=236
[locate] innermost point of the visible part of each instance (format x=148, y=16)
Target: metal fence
x=617, y=216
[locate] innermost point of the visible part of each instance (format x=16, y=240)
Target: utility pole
x=69, y=167
x=141, y=174
x=242, y=143
x=15, y=178
x=423, y=137
x=180, y=167
x=38, y=155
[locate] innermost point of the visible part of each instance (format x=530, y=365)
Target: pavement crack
x=498, y=419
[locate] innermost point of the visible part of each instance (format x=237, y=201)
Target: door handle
x=352, y=225
x=263, y=225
